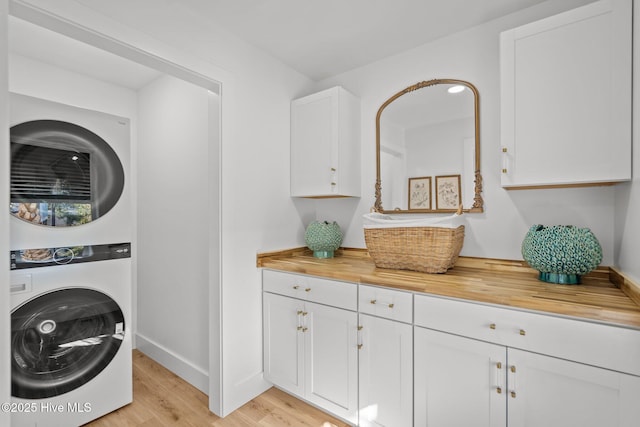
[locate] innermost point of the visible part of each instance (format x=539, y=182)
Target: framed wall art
x=448, y=195
x=420, y=193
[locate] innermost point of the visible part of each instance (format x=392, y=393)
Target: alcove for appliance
x=163, y=192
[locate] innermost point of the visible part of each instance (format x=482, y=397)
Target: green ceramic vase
x=323, y=238
x=561, y=253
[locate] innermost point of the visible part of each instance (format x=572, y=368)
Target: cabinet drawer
x=596, y=344
x=308, y=288
x=387, y=303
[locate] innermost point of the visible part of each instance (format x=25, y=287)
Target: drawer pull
x=296, y=287
x=523, y=332
x=307, y=290
x=390, y=305
x=492, y=326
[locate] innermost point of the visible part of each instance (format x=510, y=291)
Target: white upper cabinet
x=566, y=98
x=325, y=145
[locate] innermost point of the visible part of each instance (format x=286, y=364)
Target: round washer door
x=61, y=340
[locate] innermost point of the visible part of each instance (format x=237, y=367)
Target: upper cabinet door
x=566, y=98
x=325, y=145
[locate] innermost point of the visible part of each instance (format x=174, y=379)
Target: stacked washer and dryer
x=71, y=229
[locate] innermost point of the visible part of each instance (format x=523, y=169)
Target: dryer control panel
x=47, y=257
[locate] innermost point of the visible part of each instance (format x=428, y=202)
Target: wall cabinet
x=385, y=358
x=325, y=145
x=499, y=384
x=310, y=349
x=566, y=98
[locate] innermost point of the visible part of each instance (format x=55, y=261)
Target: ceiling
x=318, y=38
x=324, y=38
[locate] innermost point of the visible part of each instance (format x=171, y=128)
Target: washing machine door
x=61, y=340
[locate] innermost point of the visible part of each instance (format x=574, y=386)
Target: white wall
x=5, y=369
x=628, y=194
x=472, y=55
x=173, y=223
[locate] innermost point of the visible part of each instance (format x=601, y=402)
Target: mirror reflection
x=427, y=140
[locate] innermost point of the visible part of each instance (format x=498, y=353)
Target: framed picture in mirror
x=448, y=196
x=420, y=193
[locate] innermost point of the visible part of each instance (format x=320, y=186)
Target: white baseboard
x=174, y=362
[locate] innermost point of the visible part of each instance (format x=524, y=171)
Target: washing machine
x=71, y=263
x=70, y=334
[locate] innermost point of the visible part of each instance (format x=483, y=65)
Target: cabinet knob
x=333, y=184
x=504, y=149
x=523, y=332
x=305, y=329
x=296, y=287
x=307, y=289
x=504, y=170
x=492, y=326
x=333, y=169
x=513, y=394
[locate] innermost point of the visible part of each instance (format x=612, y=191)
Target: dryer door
x=61, y=340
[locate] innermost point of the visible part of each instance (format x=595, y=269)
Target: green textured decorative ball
x=561, y=253
x=323, y=238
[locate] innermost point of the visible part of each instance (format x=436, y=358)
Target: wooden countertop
x=604, y=295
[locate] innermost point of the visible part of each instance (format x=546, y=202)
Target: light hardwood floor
x=161, y=398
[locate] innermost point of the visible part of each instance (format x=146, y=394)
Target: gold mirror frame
x=478, y=203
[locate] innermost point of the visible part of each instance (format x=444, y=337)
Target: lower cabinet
x=458, y=381
x=378, y=357
x=465, y=382
x=546, y=391
x=311, y=351
x=386, y=373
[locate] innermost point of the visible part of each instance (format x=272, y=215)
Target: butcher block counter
x=604, y=295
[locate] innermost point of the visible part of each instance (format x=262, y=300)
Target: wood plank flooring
x=162, y=399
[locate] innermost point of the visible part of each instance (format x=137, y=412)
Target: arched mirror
x=62, y=174
x=428, y=149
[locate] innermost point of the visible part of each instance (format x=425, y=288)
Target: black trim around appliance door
x=61, y=340
x=48, y=257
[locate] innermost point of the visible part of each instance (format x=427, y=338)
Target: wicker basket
x=425, y=249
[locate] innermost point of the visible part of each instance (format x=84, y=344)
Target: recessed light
x=455, y=89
